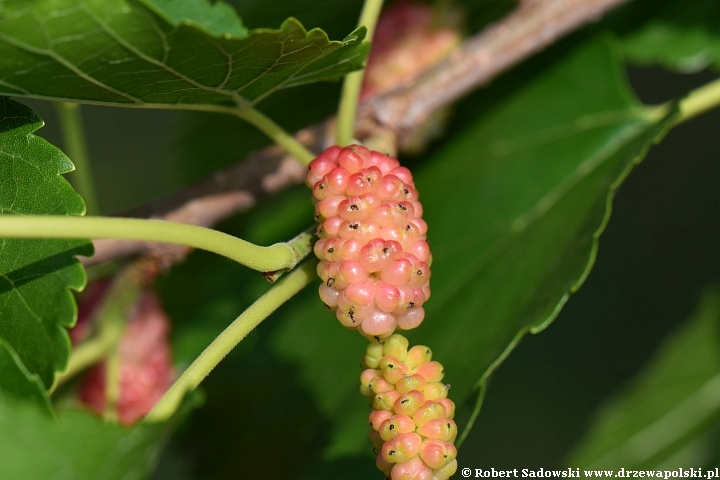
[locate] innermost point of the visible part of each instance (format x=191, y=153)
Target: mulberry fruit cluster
x=412, y=426
x=375, y=260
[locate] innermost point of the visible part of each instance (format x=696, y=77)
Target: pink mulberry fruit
x=409, y=38
x=412, y=424
x=374, y=256
x=145, y=364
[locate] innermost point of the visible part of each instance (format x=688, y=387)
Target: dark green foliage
x=681, y=36
x=76, y=446
x=120, y=52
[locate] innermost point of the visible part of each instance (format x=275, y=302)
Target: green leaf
x=36, y=275
x=16, y=381
x=518, y=203
x=681, y=36
x=670, y=413
x=219, y=19
x=77, y=446
x=120, y=52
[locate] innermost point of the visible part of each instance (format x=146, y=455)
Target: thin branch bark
x=530, y=28
x=391, y=117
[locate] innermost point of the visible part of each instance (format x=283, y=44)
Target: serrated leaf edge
x=288, y=24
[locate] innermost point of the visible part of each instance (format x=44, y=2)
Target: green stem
x=112, y=385
x=302, y=245
x=76, y=148
x=473, y=417
x=699, y=101
x=347, y=111
x=264, y=259
x=695, y=103
x=229, y=338
x=276, y=133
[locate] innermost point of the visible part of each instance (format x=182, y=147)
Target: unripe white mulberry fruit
x=412, y=424
x=374, y=256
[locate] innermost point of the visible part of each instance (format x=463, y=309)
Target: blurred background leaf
x=530, y=183
x=669, y=416
x=76, y=446
x=681, y=36
x=658, y=253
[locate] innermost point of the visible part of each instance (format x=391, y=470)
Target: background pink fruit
x=409, y=38
x=145, y=364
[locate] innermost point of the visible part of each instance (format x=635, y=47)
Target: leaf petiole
x=73, y=132
x=265, y=259
x=112, y=384
x=276, y=133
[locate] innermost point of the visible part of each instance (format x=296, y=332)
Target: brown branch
x=391, y=117
x=530, y=28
